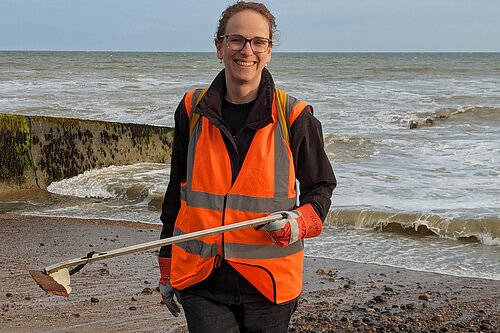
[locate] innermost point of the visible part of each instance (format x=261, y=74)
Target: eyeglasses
x=238, y=42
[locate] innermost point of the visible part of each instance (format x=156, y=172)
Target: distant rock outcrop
x=35, y=151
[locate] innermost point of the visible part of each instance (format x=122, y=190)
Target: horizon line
x=314, y=52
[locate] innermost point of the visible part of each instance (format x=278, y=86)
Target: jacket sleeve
x=172, y=199
x=313, y=170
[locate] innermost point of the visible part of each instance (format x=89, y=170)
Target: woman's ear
x=218, y=46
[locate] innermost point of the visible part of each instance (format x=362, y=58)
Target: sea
x=414, y=140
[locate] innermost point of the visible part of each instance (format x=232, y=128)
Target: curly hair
x=240, y=6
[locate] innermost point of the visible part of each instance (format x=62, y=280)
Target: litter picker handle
x=161, y=242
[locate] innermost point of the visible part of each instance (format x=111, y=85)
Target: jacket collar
x=261, y=113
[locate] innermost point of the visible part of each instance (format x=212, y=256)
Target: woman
x=239, y=147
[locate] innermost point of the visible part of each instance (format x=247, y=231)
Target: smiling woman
x=239, y=147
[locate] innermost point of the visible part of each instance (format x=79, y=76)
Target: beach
x=120, y=294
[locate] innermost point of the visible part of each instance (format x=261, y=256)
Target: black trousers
x=205, y=315
x=226, y=302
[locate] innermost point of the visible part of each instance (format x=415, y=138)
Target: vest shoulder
x=291, y=99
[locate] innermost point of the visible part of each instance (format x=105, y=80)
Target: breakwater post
x=37, y=150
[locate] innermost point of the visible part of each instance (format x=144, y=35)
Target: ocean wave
x=142, y=182
x=344, y=149
x=479, y=113
x=484, y=230
x=400, y=69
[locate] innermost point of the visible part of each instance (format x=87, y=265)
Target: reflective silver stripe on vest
x=253, y=251
x=290, y=103
x=259, y=205
x=281, y=163
x=237, y=202
x=193, y=140
x=196, y=246
x=202, y=199
x=196, y=93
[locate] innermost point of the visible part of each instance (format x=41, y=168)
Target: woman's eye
x=235, y=40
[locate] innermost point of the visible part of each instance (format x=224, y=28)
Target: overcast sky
x=304, y=25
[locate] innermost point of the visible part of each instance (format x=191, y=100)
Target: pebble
x=425, y=297
x=411, y=306
x=320, y=271
x=485, y=326
x=437, y=318
x=147, y=290
x=379, y=299
x=9, y=295
x=311, y=317
x=396, y=319
x=94, y=299
x=133, y=308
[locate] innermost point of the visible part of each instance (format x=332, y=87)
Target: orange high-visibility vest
x=265, y=184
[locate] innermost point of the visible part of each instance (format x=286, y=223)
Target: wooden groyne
x=36, y=150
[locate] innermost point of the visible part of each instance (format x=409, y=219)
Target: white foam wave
x=137, y=181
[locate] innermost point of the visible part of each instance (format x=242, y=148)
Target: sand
x=120, y=295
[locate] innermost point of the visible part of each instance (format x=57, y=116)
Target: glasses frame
x=269, y=42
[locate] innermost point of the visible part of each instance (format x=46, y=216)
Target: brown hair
x=240, y=6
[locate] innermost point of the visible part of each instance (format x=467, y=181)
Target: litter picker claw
x=55, y=279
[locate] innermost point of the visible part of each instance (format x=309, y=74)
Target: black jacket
x=312, y=167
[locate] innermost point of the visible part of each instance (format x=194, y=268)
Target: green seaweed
x=15, y=148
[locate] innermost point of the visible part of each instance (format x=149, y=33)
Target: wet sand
x=119, y=294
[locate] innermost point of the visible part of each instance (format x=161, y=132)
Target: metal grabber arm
x=55, y=279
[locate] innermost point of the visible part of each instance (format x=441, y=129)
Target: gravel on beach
x=120, y=294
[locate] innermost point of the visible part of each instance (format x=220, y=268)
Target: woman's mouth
x=244, y=63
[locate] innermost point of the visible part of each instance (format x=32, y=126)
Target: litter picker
x=55, y=279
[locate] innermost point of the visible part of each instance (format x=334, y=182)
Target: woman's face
x=245, y=66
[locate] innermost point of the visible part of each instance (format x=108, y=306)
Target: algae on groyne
x=35, y=151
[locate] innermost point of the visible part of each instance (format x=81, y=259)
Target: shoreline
x=119, y=294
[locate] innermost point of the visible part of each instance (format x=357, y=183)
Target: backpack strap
x=289, y=108
x=193, y=96
x=282, y=112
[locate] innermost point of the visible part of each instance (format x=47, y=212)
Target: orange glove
x=301, y=223
x=166, y=290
